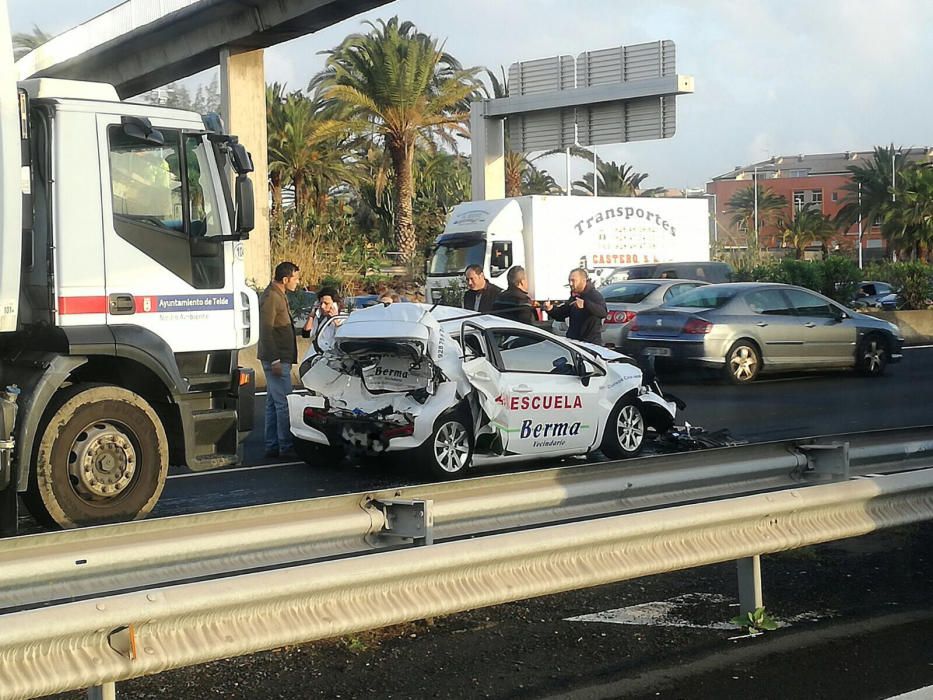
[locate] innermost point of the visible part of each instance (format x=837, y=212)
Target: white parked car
x=458, y=389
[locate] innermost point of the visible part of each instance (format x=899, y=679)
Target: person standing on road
x=480, y=294
x=514, y=303
x=277, y=352
x=585, y=309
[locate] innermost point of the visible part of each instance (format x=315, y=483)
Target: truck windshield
x=452, y=257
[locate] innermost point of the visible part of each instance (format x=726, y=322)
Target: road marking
x=917, y=347
x=220, y=472
x=918, y=694
x=670, y=613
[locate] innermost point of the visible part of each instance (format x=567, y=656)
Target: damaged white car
x=457, y=389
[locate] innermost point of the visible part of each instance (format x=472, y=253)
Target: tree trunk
x=275, y=187
x=402, y=155
x=513, y=174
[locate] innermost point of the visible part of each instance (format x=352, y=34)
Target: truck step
x=212, y=461
x=201, y=382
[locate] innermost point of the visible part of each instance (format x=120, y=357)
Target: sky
x=772, y=77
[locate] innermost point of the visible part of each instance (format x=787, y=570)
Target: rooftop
x=809, y=165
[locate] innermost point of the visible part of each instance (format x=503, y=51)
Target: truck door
x=168, y=269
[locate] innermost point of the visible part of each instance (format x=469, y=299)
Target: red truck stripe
x=82, y=305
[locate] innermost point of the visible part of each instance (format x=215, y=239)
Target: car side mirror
x=587, y=371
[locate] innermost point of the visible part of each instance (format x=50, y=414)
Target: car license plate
x=658, y=352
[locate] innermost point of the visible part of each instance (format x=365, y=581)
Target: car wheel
x=625, y=431
x=317, y=455
x=872, y=356
x=101, y=457
x=743, y=362
x=448, y=452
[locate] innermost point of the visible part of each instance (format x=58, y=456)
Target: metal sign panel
x=548, y=129
x=630, y=120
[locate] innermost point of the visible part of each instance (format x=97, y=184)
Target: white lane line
x=221, y=472
x=917, y=347
x=918, y=694
x=294, y=391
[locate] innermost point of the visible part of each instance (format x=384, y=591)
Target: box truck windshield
x=455, y=253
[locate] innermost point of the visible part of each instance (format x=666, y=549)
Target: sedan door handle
x=761, y=324
x=810, y=324
x=523, y=389
x=482, y=376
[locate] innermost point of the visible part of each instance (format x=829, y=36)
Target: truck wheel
x=448, y=452
x=102, y=457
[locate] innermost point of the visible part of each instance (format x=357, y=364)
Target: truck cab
x=121, y=326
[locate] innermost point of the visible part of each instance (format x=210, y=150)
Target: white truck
x=550, y=235
x=123, y=300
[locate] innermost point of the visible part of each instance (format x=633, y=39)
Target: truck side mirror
x=240, y=158
x=500, y=258
x=245, y=208
x=140, y=128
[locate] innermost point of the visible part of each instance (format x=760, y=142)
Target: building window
x=835, y=196
x=798, y=200
x=816, y=196
x=796, y=173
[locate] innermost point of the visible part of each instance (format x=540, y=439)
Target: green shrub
x=836, y=277
x=911, y=279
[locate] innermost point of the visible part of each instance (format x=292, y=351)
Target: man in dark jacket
x=586, y=309
x=480, y=294
x=277, y=352
x=514, y=303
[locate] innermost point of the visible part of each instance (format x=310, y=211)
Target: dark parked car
x=748, y=328
x=876, y=295
x=704, y=271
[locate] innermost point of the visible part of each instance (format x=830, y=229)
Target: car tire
x=448, y=452
x=872, y=356
x=317, y=455
x=626, y=430
x=743, y=362
x=101, y=457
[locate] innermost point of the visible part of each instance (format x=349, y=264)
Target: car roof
x=656, y=280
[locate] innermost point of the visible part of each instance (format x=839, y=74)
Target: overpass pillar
x=243, y=105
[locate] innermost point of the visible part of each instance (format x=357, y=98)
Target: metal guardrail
x=93, y=561
x=123, y=636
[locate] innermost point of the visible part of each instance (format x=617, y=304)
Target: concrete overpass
x=143, y=44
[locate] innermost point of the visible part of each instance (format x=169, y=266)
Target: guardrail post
x=750, y=598
x=107, y=691
x=829, y=461
x=408, y=519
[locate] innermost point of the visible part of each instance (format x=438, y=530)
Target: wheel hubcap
x=451, y=447
x=874, y=356
x=102, y=461
x=744, y=363
x=630, y=428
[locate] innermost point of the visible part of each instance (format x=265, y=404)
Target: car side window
x=678, y=289
x=529, y=352
x=769, y=302
x=806, y=304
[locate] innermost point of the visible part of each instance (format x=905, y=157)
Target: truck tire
x=101, y=457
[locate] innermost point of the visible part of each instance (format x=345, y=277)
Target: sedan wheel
x=872, y=356
x=743, y=363
x=625, y=431
x=449, y=450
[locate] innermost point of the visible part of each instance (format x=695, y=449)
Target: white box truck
x=123, y=300
x=551, y=235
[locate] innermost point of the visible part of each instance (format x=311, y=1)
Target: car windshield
x=453, y=257
x=704, y=298
x=627, y=292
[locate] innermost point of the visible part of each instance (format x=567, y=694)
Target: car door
x=827, y=338
x=774, y=326
x=546, y=406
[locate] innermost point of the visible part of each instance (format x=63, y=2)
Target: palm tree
x=307, y=151
x=908, y=221
x=400, y=84
x=24, y=42
x=742, y=207
x=807, y=226
x=536, y=181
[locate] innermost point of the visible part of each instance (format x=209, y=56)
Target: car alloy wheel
x=630, y=428
x=452, y=447
x=873, y=357
x=743, y=363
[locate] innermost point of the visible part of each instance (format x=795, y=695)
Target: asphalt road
x=778, y=408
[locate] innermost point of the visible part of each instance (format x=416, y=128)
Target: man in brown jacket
x=278, y=351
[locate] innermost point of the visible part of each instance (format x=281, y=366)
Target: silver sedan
x=625, y=299
x=745, y=329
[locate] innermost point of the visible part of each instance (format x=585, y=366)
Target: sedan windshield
x=704, y=298
x=627, y=292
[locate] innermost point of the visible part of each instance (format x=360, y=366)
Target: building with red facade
x=817, y=178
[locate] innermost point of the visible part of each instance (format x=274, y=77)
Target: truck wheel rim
x=102, y=461
x=451, y=447
x=630, y=428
